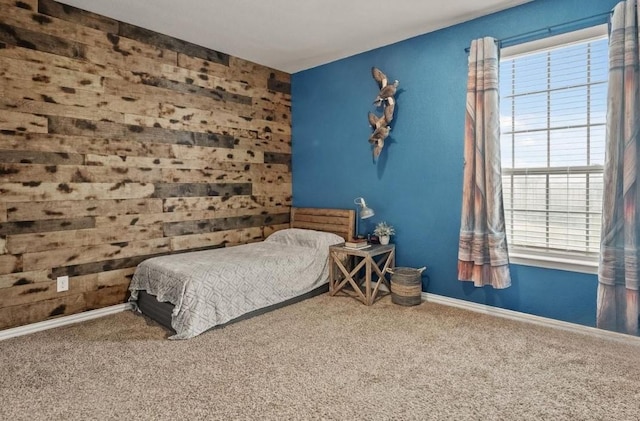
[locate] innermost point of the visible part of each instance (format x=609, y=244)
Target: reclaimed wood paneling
x=44, y=74
x=164, y=190
x=36, y=190
x=49, y=26
x=48, y=107
x=106, y=296
x=46, y=290
x=237, y=236
x=26, y=38
x=207, y=80
x=62, y=62
x=102, y=266
x=25, y=243
x=270, y=189
x=188, y=175
x=123, y=221
x=81, y=127
x=76, y=173
x=217, y=155
x=22, y=4
x=164, y=41
x=148, y=162
x=42, y=310
x=25, y=294
x=100, y=280
x=118, y=144
x=54, y=210
x=278, y=144
x=24, y=278
x=25, y=227
x=12, y=141
x=174, y=229
x=277, y=158
x=48, y=158
x=78, y=16
x=267, y=230
x=10, y=264
x=217, y=94
x=79, y=255
x=216, y=203
x=278, y=85
x=22, y=122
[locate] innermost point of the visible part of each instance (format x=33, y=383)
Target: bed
x=190, y=293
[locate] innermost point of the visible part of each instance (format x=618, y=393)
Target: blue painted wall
x=417, y=183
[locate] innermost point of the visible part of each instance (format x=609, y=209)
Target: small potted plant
x=384, y=231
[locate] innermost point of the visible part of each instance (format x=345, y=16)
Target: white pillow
x=305, y=238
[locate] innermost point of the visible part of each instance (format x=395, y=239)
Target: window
x=552, y=115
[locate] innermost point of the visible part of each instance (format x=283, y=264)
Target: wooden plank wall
x=117, y=144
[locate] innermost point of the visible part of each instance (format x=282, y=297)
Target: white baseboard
x=428, y=297
x=63, y=321
x=530, y=318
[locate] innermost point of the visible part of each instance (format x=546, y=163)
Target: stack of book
x=357, y=243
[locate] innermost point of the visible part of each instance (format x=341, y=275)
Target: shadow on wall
x=508, y=298
x=390, y=141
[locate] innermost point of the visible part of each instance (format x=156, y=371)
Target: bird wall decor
x=377, y=139
x=385, y=99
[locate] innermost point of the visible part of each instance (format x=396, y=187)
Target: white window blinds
x=553, y=111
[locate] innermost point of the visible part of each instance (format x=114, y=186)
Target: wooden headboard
x=337, y=221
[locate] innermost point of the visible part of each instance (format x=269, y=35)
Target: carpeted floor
x=326, y=358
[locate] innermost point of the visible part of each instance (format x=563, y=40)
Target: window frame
x=560, y=260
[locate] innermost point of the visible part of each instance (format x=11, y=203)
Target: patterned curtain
x=618, y=272
x=482, y=251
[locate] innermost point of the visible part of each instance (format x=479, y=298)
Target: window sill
x=555, y=262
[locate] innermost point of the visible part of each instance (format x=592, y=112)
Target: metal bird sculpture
x=375, y=121
x=386, y=93
x=386, y=118
x=385, y=98
x=377, y=139
x=380, y=133
x=388, y=112
x=377, y=149
x=379, y=77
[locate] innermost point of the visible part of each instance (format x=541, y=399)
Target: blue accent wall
x=417, y=183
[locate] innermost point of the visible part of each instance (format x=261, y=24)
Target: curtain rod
x=547, y=29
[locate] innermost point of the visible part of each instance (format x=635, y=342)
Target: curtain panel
x=618, y=273
x=482, y=250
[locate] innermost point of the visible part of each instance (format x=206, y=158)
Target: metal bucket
x=406, y=286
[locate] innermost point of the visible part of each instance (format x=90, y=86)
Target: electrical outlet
x=63, y=283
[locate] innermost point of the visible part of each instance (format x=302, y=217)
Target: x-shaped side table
x=376, y=261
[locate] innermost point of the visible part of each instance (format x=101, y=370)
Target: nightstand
x=375, y=260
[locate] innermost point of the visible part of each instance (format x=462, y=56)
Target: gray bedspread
x=212, y=287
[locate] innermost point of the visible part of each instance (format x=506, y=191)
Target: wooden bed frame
x=337, y=221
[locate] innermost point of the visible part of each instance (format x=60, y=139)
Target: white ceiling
x=293, y=35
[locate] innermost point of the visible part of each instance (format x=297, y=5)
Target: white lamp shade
x=366, y=213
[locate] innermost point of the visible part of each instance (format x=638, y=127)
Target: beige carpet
x=325, y=358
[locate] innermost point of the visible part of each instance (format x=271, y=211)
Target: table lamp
x=363, y=212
